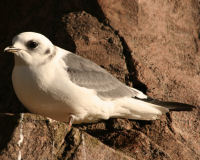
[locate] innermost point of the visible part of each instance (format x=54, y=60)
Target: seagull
x=61, y=85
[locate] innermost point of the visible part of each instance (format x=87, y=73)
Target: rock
x=163, y=41
x=35, y=137
x=90, y=147
x=152, y=45
x=97, y=42
x=162, y=38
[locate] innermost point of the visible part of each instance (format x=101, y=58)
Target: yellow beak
x=11, y=49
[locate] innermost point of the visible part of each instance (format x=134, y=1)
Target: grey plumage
x=85, y=73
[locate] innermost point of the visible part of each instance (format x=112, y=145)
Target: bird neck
x=19, y=61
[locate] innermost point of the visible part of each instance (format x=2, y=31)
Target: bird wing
x=85, y=73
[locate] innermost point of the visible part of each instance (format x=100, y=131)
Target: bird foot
x=70, y=122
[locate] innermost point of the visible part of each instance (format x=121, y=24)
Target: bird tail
x=146, y=109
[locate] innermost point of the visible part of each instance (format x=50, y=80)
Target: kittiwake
x=56, y=83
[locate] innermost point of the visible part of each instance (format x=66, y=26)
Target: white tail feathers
x=136, y=109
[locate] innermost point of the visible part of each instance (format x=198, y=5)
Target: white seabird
x=56, y=83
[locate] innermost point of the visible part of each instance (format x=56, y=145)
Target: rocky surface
x=152, y=45
x=36, y=137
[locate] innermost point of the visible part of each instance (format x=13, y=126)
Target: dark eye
x=32, y=44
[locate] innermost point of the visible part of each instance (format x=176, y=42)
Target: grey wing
x=87, y=74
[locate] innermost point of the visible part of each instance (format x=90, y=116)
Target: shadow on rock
x=8, y=123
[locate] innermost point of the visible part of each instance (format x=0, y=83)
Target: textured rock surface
x=163, y=40
x=35, y=137
x=152, y=45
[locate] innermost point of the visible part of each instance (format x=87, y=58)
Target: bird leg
x=71, y=119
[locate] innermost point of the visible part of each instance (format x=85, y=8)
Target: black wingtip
x=172, y=106
x=176, y=106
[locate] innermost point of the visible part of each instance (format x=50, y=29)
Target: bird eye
x=32, y=44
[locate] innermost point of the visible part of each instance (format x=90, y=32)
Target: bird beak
x=11, y=49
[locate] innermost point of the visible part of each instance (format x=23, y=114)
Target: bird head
x=31, y=48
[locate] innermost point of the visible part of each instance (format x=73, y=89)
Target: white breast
x=32, y=88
